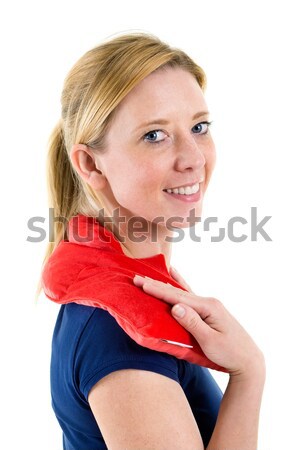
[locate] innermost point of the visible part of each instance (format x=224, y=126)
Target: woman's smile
x=190, y=193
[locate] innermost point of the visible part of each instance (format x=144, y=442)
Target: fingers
x=177, y=277
x=173, y=295
x=191, y=321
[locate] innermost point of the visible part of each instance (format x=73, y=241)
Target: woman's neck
x=143, y=244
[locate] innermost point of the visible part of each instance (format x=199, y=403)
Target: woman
x=134, y=138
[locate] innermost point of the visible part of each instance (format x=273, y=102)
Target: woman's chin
x=187, y=220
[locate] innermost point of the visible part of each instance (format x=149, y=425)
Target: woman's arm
x=240, y=406
x=237, y=423
x=225, y=342
x=143, y=410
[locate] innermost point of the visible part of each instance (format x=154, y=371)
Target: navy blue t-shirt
x=87, y=345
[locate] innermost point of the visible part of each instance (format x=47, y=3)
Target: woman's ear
x=85, y=164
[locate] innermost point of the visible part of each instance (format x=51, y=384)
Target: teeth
x=188, y=190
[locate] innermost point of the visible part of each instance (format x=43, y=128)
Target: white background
x=250, y=52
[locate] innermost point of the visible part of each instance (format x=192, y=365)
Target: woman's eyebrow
x=165, y=122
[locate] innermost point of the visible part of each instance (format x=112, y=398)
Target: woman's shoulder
x=100, y=346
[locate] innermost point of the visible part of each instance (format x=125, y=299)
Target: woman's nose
x=189, y=154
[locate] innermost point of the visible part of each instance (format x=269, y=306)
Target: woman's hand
x=221, y=337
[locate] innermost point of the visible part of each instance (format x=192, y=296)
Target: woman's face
x=158, y=140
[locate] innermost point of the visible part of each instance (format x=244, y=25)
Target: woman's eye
x=201, y=127
x=154, y=136
x=157, y=136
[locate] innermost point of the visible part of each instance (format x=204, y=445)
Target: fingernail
x=138, y=277
x=178, y=311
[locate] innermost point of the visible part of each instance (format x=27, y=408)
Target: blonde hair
x=92, y=90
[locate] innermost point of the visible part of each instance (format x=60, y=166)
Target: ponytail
x=63, y=191
x=62, y=182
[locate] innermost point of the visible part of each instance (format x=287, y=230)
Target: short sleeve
x=104, y=347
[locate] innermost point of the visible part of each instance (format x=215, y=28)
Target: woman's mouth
x=184, y=190
x=187, y=194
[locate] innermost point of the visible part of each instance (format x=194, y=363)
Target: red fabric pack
x=90, y=268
